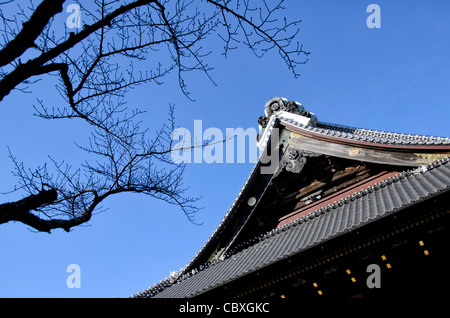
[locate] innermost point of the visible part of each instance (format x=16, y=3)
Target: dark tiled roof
x=351, y=133
x=354, y=211
x=368, y=135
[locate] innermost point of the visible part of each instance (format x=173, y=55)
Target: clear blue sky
x=395, y=78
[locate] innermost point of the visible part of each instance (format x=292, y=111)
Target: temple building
x=328, y=211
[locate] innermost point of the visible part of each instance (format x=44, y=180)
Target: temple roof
x=425, y=178
x=345, y=132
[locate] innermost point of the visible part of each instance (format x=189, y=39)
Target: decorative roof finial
x=285, y=110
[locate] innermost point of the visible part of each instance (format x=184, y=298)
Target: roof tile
x=382, y=199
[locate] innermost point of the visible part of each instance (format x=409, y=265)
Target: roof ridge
x=360, y=129
x=369, y=135
x=293, y=112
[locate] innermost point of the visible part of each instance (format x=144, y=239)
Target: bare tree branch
x=122, y=44
x=30, y=31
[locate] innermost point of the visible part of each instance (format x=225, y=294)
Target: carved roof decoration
x=288, y=113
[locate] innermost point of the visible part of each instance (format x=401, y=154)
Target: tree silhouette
x=97, y=63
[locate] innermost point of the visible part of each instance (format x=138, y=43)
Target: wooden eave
x=381, y=153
